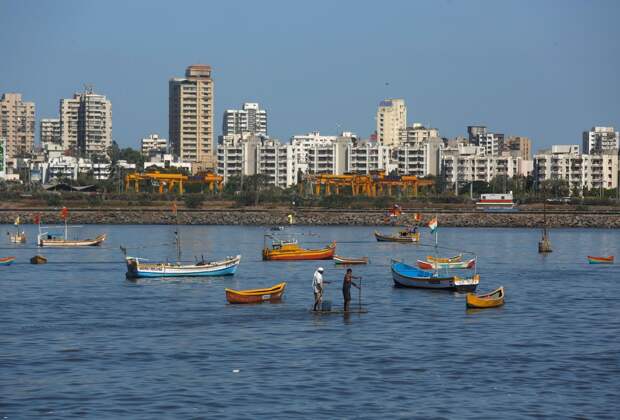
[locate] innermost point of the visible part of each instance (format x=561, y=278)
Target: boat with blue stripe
x=405, y=275
x=137, y=268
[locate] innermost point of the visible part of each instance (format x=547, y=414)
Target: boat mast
x=177, y=234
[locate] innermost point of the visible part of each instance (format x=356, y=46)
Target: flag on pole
x=418, y=217
x=37, y=219
x=64, y=213
x=433, y=224
x=17, y=221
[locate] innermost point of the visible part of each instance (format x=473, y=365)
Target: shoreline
x=315, y=217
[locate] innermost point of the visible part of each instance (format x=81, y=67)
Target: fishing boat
x=350, y=261
x=62, y=240
x=405, y=275
x=137, y=268
x=19, y=237
x=432, y=265
x=488, y=300
x=7, y=260
x=271, y=294
x=601, y=260
x=403, y=236
x=289, y=250
x=38, y=259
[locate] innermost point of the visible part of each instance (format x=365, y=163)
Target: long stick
x=360, y=294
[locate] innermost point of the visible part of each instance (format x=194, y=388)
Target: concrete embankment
x=463, y=218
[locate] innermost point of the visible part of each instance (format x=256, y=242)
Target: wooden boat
x=403, y=236
x=456, y=258
x=428, y=265
x=289, y=250
x=601, y=260
x=488, y=300
x=7, y=260
x=405, y=275
x=137, y=268
x=59, y=241
x=38, y=259
x=20, y=236
x=271, y=294
x=349, y=261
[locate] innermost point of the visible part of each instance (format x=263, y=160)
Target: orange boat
x=271, y=294
x=601, y=260
x=290, y=250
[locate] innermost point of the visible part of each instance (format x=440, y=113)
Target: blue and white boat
x=136, y=268
x=405, y=275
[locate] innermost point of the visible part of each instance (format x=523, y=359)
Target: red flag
x=64, y=213
x=418, y=217
x=37, y=219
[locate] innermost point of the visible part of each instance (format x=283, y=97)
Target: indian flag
x=433, y=224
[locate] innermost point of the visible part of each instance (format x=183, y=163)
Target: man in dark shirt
x=346, y=288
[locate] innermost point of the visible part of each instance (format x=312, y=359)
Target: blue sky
x=543, y=69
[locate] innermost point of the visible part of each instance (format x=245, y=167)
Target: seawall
x=610, y=220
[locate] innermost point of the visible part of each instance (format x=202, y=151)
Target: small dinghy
x=601, y=260
x=489, y=300
x=271, y=294
x=38, y=259
x=348, y=261
x=7, y=260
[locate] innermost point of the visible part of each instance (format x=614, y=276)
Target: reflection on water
x=80, y=340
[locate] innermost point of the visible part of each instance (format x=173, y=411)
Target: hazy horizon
x=546, y=70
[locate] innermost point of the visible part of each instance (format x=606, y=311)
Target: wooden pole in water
x=360, y=294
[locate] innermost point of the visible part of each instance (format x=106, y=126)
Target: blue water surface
x=78, y=340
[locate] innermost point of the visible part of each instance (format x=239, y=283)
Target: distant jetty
x=311, y=216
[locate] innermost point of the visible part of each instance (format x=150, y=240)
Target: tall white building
x=581, y=171
x=600, y=140
x=366, y=157
x=153, y=144
x=303, y=142
x=86, y=124
x=49, y=132
x=420, y=158
x=249, y=119
x=391, y=118
x=492, y=143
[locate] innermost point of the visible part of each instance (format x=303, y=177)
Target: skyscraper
x=16, y=124
x=190, y=114
x=86, y=124
x=391, y=118
x=250, y=119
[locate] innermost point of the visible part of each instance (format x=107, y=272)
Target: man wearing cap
x=317, y=286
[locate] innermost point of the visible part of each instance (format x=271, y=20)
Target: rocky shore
x=270, y=217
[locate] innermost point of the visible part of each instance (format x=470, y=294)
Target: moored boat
x=405, y=275
x=38, y=259
x=349, y=261
x=60, y=241
x=403, y=236
x=489, y=300
x=456, y=258
x=289, y=250
x=270, y=294
x=431, y=265
x=20, y=236
x=136, y=268
x=7, y=260
x=601, y=260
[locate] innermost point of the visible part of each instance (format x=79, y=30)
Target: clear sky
x=543, y=69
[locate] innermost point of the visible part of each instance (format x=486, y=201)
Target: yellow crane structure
x=168, y=182
x=371, y=185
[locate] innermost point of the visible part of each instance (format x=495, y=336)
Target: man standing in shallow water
x=346, y=288
x=317, y=286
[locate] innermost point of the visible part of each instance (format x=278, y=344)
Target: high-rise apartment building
x=16, y=124
x=250, y=119
x=153, y=144
x=190, y=113
x=417, y=133
x=391, y=118
x=86, y=124
x=601, y=139
x=492, y=143
x=49, y=132
x=518, y=146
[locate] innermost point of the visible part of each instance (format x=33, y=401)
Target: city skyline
x=549, y=82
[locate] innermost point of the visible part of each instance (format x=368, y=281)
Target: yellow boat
x=270, y=294
x=456, y=258
x=291, y=251
x=489, y=300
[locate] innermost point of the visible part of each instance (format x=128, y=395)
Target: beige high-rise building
x=16, y=124
x=391, y=118
x=49, y=131
x=519, y=146
x=86, y=124
x=190, y=113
